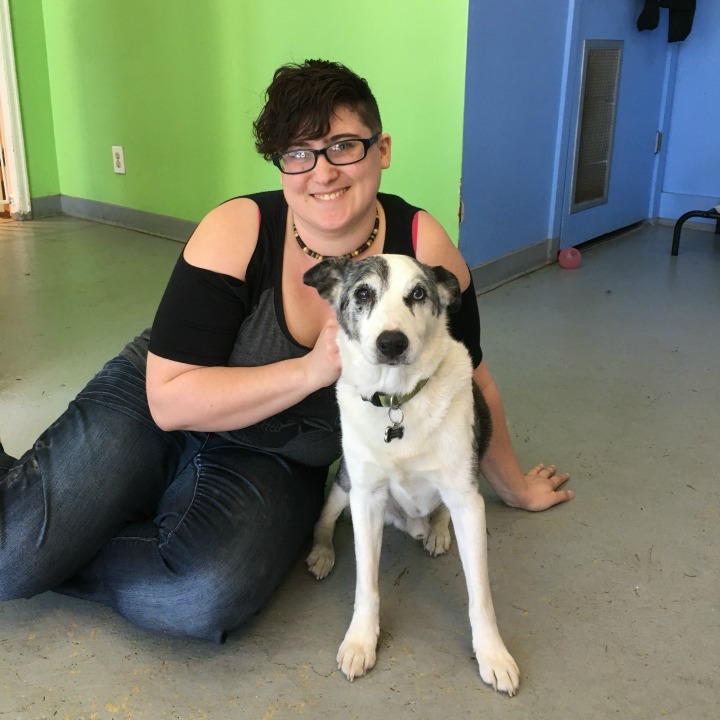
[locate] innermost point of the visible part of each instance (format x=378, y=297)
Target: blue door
x=523, y=83
x=613, y=147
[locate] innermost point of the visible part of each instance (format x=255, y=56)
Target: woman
x=182, y=482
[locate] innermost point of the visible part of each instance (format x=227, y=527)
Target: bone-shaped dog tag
x=394, y=432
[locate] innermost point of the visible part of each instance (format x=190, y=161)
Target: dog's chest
x=413, y=483
x=408, y=437
x=417, y=495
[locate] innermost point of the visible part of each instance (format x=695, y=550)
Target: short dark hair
x=301, y=100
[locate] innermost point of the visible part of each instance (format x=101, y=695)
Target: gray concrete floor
x=609, y=603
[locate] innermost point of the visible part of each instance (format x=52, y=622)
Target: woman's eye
x=297, y=155
x=418, y=293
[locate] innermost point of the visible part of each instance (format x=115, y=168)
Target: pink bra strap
x=414, y=232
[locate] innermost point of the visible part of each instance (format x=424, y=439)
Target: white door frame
x=16, y=182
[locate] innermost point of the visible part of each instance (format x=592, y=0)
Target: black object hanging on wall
x=682, y=13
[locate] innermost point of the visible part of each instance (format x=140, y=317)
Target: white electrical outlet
x=118, y=159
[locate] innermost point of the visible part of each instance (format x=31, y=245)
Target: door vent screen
x=596, y=123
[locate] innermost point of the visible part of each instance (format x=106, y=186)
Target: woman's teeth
x=330, y=196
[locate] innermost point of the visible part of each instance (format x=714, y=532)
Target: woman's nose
x=325, y=169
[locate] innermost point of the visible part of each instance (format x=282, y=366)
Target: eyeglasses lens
x=342, y=153
x=346, y=152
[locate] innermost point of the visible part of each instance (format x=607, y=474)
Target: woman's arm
x=215, y=399
x=185, y=396
x=539, y=489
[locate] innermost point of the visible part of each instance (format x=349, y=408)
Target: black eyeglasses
x=342, y=152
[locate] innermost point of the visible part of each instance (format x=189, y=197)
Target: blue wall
x=511, y=120
x=692, y=168
x=515, y=115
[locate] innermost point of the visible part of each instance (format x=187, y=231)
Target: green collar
x=395, y=401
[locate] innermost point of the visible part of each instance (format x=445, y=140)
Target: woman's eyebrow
x=302, y=144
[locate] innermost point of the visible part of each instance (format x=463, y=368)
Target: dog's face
x=389, y=305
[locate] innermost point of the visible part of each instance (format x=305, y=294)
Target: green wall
x=31, y=65
x=177, y=83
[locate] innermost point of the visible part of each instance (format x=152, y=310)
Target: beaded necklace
x=349, y=255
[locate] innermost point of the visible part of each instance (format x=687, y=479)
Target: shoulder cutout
x=225, y=239
x=434, y=247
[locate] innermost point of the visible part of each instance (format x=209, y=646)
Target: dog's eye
x=418, y=293
x=362, y=294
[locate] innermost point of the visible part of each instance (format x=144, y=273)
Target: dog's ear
x=326, y=277
x=449, y=288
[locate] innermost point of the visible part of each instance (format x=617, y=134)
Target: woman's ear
x=384, y=145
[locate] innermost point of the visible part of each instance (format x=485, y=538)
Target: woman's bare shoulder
x=434, y=247
x=225, y=239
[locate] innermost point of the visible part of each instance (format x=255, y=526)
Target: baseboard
x=45, y=206
x=140, y=220
x=145, y=222
x=502, y=270
x=697, y=224
x=673, y=205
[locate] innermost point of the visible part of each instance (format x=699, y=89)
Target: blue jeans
x=185, y=533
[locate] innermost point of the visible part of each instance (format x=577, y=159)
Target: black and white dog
x=414, y=429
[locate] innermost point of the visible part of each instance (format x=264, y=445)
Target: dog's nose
x=392, y=343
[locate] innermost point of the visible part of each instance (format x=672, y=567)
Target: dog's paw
x=438, y=540
x=357, y=653
x=497, y=668
x=356, y=658
x=321, y=560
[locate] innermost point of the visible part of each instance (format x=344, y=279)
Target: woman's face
x=331, y=198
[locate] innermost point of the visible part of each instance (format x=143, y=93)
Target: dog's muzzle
x=391, y=344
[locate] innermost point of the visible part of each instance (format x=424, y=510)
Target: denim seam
x=195, y=461
x=137, y=417
x=125, y=538
x=198, y=467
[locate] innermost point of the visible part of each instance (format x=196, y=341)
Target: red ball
x=569, y=258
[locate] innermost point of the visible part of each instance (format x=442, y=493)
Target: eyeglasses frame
x=367, y=144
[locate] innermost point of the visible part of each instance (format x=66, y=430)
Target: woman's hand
x=542, y=489
x=538, y=489
x=323, y=361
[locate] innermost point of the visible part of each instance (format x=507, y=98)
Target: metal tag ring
x=393, y=420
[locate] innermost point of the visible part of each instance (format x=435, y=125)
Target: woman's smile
x=328, y=196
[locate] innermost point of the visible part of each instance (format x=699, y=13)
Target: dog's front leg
x=357, y=651
x=497, y=667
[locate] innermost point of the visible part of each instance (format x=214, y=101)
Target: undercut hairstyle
x=301, y=100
